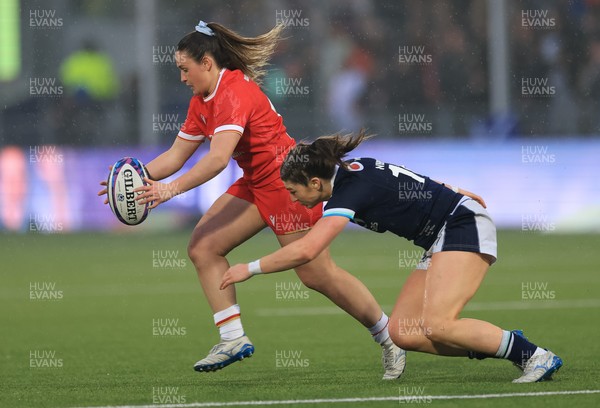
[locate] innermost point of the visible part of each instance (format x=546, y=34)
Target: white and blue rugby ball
x=126, y=175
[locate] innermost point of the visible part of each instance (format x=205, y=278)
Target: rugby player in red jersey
x=228, y=108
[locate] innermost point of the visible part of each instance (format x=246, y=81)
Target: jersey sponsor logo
x=355, y=166
x=203, y=118
x=373, y=225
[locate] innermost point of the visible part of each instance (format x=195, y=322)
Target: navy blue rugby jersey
x=386, y=197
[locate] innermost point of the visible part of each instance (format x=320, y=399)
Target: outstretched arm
x=172, y=160
x=292, y=255
x=222, y=146
x=166, y=163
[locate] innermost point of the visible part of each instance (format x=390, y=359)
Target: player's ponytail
x=319, y=158
x=230, y=50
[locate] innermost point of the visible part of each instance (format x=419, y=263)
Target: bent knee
x=436, y=330
x=201, y=251
x=406, y=336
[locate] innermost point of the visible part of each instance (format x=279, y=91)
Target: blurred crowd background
x=101, y=72
x=499, y=96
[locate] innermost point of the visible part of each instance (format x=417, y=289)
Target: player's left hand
x=237, y=273
x=155, y=192
x=473, y=196
x=104, y=184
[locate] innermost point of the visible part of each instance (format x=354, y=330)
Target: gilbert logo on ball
x=126, y=175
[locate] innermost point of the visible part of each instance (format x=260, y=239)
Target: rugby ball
x=126, y=175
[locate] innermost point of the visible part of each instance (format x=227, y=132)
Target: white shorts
x=468, y=228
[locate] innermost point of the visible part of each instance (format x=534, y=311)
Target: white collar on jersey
x=212, y=94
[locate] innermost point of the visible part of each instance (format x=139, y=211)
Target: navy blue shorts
x=469, y=228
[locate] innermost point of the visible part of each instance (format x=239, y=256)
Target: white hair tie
x=203, y=28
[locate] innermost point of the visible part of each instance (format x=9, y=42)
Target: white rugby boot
x=540, y=368
x=394, y=360
x=225, y=353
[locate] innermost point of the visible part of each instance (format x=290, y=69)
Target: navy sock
x=515, y=347
x=522, y=350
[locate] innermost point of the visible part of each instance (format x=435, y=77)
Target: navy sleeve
x=347, y=199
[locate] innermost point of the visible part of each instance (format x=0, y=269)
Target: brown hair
x=233, y=51
x=319, y=158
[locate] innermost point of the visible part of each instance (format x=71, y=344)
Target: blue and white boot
x=225, y=353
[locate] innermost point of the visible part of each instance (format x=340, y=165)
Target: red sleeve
x=193, y=127
x=233, y=109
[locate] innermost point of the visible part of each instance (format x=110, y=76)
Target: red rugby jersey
x=238, y=104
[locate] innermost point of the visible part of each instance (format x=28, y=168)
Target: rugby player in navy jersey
x=451, y=224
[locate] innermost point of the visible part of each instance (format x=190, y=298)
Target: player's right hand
x=237, y=273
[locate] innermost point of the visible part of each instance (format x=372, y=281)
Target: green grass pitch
x=99, y=320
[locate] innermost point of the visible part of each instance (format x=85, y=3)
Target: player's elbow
x=219, y=162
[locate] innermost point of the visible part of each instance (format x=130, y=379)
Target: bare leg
x=406, y=321
x=229, y=222
x=342, y=288
x=452, y=280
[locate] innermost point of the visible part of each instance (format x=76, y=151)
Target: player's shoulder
x=235, y=85
x=361, y=164
x=367, y=171
x=236, y=79
x=355, y=169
